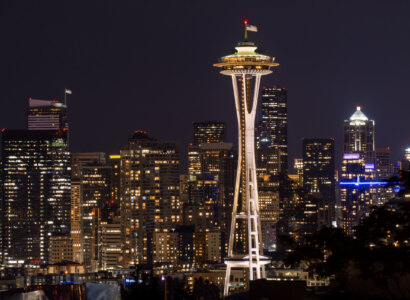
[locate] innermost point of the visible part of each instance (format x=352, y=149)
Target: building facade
x=36, y=195
x=358, y=136
x=273, y=127
x=358, y=181
x=95, y=195
x=46, y=115
x=319, y=177
x=209, y=132
x=149, y=195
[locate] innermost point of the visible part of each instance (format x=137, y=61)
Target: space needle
x=246, y=67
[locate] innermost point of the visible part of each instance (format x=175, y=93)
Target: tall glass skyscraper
x=273, y=127
x=358, y=136
x=36, y=195
x=358, y=184
x=95, y=197
x=271, y=159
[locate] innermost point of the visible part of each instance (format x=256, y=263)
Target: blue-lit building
x=359, y=182
x=358, y=189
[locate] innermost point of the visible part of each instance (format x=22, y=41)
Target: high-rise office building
x=383, y=167
x=95, y=196
x=298, y=213
x=319, y=176
x=273, y=127
x=358, y=134
x=384, y=170
x=358, y=180
x=271, y=159
x=46, y=115
x=149, y=194
x=358, y=187
x=36, y=195
x=209, y=132
x=268, y=166
x=204, y=201
x=211, y=181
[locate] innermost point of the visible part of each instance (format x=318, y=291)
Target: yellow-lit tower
x=246, y=67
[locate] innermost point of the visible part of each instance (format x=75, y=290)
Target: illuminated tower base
x=246, y=68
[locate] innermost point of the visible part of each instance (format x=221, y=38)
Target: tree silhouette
x=378, y=254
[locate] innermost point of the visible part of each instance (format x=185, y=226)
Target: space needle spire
x=246, y=67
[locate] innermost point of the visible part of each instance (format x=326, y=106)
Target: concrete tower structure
x=246, y=68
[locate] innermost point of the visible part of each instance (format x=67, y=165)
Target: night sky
x=148, y=65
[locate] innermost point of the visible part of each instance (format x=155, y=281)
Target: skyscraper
x=358, y=134
x=319, y=176
x=149, y=194
x=36, y=175
x=273, y=127
x=95, y=194
x=243, y=66
x=384, y=171
x=357, y=189
x=46, y=115
x=209, y=132
x=268, y=168
x=79, y=160
x=358, y=184
x=271, y=159
x=210, y=165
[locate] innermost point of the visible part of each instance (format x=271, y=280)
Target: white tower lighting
x=246, y=67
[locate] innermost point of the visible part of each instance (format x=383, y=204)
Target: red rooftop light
x=245, y=22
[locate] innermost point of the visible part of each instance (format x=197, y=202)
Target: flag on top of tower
x=251, y=28
x=67, y=91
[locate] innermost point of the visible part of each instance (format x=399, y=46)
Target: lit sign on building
x=351, y=156
x=369, y=166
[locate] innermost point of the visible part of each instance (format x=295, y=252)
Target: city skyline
x=149, y=177
x=328, y=68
